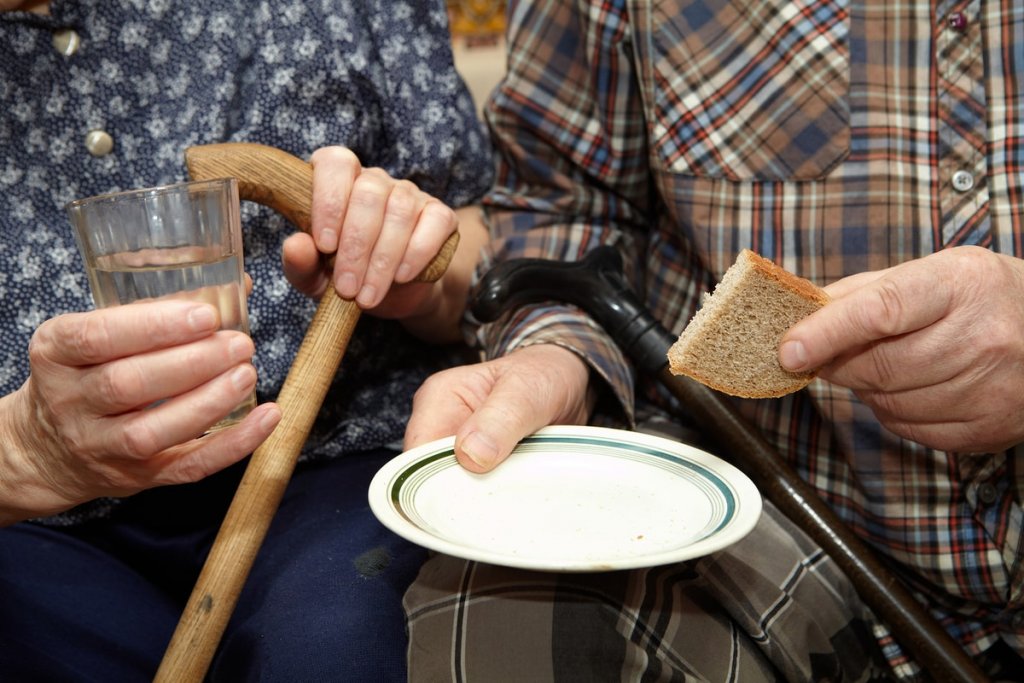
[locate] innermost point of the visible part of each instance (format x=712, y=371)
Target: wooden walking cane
x=283, y=182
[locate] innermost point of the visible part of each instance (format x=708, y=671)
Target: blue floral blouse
x=160, y=76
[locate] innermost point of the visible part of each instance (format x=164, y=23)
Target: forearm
x=572, y=174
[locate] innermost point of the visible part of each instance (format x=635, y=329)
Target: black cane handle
x=597, y=286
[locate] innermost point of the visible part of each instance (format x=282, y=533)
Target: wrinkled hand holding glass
x=180, y=241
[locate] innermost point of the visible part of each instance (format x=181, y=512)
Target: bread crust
x=799, y=381
x=801, y=286
x=731, y=344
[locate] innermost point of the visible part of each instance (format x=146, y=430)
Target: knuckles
x=138, y=441
x=884, y=315
x=336, y=155
x=81, y=339
x=370, y=191
x=114, y=385
x=440, y=213
x=403, y=201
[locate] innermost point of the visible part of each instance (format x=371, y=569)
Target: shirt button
x=962, y=181
x=957, y=21
x=66, y=42
x=988, y=494
x=99, y=143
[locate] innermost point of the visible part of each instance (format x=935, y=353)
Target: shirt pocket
x=750, y=89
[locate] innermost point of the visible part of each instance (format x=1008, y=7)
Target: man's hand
x=491, y=406
x=934, y=346
x=84, y=425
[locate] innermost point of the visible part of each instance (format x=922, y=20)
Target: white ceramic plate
x=569, y=499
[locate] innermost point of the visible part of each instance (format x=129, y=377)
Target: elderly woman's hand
x=84, y=425
x=383, y=232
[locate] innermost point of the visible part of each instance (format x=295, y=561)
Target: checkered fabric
x=830, y=136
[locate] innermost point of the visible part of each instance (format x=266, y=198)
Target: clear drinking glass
x=182, y=241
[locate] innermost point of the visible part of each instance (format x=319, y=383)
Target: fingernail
x=367, y=296
x=480, y=449
x=269, y=419
x=202, y=318
x=793, y=355
x=241, y=378
x=346, y=285
x=328, y=240
x=240, y=349
x=403, y=273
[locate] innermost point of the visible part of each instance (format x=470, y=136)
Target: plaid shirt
x=830, y=137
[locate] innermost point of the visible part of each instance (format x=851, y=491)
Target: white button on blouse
x=99, y=143
x=66, y=42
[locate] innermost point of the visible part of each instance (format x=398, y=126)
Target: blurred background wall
x=478, y=43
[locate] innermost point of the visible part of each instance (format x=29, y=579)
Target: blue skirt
x=99, y=601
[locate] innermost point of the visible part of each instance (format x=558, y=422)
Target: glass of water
x=182, y=241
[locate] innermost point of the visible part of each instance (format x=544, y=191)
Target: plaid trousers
x=770, y=607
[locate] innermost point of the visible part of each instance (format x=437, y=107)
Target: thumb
x=873, y=309
x=301, y=264
x=494, y=429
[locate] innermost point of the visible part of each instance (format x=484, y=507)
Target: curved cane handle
x=283, y=182
x=275, y=178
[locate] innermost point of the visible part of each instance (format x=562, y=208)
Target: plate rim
x=748, y=502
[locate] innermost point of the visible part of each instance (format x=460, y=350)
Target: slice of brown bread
x=732, y=343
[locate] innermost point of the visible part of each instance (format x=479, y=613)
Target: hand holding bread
x=934, y=346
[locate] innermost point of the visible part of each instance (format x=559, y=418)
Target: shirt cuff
x=570, y=328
